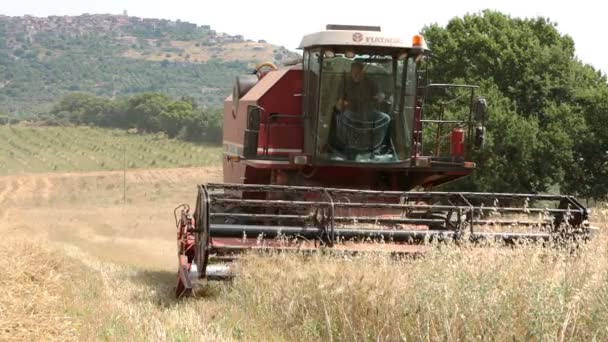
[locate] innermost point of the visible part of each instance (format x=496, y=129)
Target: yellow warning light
x=233, y=158
x=418, y=41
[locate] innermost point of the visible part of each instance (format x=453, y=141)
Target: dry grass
x=115, y=262
x=125, y=303
x=61, y=294
x=33, y=285
x=454, y=294
x=98, y=269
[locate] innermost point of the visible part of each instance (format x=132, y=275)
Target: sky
x=284, y=22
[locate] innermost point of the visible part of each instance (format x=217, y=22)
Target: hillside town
x=15, y=30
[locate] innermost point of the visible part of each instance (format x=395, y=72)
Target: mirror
x=480, y=109
x=480, y=135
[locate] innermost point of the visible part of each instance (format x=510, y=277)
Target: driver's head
x=356, y=71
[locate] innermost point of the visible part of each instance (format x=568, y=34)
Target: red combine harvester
x=324, y=153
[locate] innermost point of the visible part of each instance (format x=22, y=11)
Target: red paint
x=282, y=126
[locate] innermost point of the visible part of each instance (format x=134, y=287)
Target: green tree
x=150, y=112
x=82, y=108
x=589, y=175
x=175, y=117
x=541, y=97
x=144, y=111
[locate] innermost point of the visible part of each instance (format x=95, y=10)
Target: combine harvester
x=324, y=153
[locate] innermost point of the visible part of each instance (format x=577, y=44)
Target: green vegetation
x=42, y=59
x=34, y=84
x=43, y=149
x=148, y=112
x=548, y=111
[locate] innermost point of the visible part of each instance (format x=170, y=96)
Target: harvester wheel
x=201, y=235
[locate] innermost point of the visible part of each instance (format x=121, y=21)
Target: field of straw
x=78, y=262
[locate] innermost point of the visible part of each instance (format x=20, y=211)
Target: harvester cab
x=352, y=112
x=324, y=154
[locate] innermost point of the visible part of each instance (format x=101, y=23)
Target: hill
x=44, y=149
x=110, y=55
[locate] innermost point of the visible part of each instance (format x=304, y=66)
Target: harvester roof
x=355, y=36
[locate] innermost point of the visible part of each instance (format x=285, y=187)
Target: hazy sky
x=283, y=22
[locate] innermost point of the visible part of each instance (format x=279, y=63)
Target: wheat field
x=79, y=261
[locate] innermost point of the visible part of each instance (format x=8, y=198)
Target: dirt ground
x=89, y=211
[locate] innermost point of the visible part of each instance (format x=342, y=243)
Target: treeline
x=548, y=125
x=147, y=112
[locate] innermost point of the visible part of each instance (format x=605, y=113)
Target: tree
x=82, y=108
x=175, y=117
x=144, y=111
x=541, y=97
x=589, y=175
x=151, y=112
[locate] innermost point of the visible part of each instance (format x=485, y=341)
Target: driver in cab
x=359, y=101
x=358, y=93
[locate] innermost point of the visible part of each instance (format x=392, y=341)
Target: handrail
x=439, y=139
x=451, y=85
x=447, y=122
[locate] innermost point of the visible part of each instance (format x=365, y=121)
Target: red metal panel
x=279, y=132
x=285, y=96
x=282, y=138
x=279, y=93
